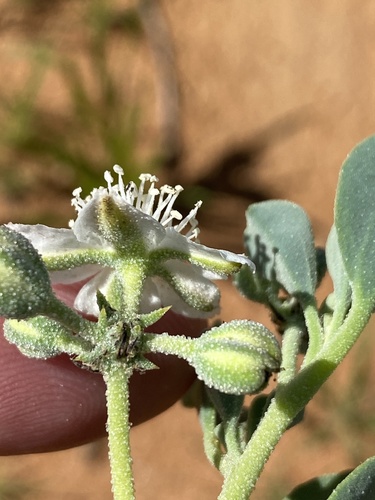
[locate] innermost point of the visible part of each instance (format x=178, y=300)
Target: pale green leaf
x=318, y=488
x=337, y=271
x=279, y=240
x=358, y=485
x=355, y=217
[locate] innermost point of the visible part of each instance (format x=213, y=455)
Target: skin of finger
x=48, y=405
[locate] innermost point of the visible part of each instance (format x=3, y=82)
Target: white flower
x=119, y=224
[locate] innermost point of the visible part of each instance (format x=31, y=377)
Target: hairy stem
x=116, y=378
x=314, y=329
x=168, y=344
x=290, y=349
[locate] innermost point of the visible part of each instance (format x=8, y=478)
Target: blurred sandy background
x=280, y=90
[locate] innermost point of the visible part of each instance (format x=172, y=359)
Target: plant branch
x=289, y=400
x=116, y=378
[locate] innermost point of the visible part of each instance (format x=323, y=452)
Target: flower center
x=157, y=203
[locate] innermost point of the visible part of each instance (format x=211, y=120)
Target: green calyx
x=25, y=288
x=119, y=229
x=43, y=338
x=118, y=341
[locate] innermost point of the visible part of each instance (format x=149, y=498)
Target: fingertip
x=47, y=405
x=51, y=404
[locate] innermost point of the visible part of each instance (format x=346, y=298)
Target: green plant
x=140, y=258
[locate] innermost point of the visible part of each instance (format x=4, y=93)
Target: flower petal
x=222, y=262
x=219, y=262
x=48, y=240
x=184, y=287
x=75, y=274
x=150, y=297
x=85, y=301
x=86, y=227
x=169, y=297
x=54, y=243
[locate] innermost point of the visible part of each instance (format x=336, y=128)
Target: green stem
x=339, y=313
x=126, y=290
x=244, y=475
x=168, y=344
x=290, y=350
x=290, y=399
x=232, y=443
x=116, y=377
x=314, y=329
x=211, y=444
x=344, y=337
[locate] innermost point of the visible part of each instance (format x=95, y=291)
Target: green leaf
x=337, y=271
x=254, y=286
x=358, y=485
x=355, y=217
x=279, y=240
x=318, y=488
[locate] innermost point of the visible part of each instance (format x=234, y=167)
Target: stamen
x=163, y=202
x=149, y=198
x=176, y=191
x=190, y=219
x=193, y=234
x=148, y=178
x=148, y=204
x=140, y=191
x=144, y=200
x=174, y=214
x=131, y=192
x=108, y=177
x=119, y=171
x=77, y=201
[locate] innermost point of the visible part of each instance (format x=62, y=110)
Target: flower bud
x=236, y=357
x=25, y=288
x=43, y=338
